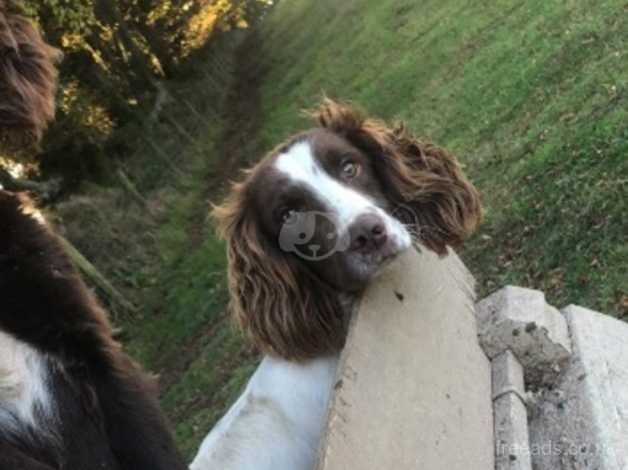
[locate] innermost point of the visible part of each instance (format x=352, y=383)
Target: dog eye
x=350, y=169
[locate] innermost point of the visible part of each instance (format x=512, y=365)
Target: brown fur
x=28, y=79
x=108, y=412
x=283, y=308
x=273, y=297
x=421, y=176
x=109, y=416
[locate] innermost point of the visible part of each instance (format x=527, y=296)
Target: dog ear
x=28, y=78
x=275, y=301
x=424, y=183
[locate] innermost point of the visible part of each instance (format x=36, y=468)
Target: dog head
x=322, y=213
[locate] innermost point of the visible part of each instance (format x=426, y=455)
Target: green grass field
x=532, y=96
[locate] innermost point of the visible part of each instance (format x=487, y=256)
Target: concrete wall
x=582, y=421
x=414, y=387
x=415, y=391
x=560, y=383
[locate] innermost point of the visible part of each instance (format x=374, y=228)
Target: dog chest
x=24, y=390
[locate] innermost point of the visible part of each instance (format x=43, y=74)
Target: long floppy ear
x=279, y=305
x=424, y=183
x=28, y=77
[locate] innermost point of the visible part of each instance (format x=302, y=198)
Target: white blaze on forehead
x=300, y=165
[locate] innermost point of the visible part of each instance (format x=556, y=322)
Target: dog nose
x=368, y=233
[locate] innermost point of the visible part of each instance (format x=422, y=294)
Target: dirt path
x=241, y=118
x=242, y=108
x=241, y=123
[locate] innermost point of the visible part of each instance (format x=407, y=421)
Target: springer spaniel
x=307, y=229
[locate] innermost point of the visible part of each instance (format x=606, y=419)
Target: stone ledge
x=585, y=416
x=414, y=387
x=510, y=414
x=519, y=320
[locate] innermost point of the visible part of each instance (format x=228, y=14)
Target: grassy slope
x=533, y=96
x=182, y=331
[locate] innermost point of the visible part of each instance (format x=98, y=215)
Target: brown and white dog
x=28, y=79
x=306, y=230
x=70, y=398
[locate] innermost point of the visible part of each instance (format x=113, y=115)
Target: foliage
x=119, y=56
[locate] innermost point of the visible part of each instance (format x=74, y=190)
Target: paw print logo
x=298, y=233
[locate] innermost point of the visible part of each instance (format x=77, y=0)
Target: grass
x=533, y=97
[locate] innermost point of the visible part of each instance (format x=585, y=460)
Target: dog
x=28, y=80
x=306, y=230
x=70, y=398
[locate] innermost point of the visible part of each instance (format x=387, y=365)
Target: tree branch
x=46, y=190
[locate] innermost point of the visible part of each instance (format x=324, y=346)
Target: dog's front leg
x=137, y=430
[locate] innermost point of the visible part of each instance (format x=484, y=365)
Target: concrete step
x=573, y=367
x=582, y=423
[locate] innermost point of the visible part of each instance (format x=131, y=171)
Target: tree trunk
x=158, y=46
x=109, y=13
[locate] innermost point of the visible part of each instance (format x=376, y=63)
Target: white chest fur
x=24, y=392
x=277, y=422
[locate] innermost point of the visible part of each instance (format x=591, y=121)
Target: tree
x=119, y=57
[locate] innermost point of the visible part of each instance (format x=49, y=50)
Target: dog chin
x=388, y=261
x=371, y=266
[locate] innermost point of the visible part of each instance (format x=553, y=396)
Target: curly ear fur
x=28, y=78
x=280, y=306
x=444, y=206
